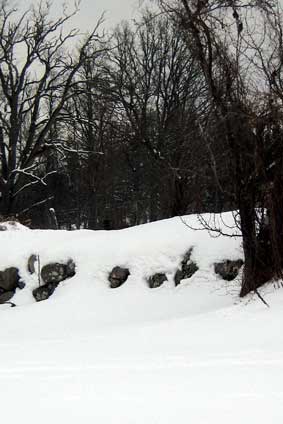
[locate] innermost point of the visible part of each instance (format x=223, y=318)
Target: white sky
x=91, y=10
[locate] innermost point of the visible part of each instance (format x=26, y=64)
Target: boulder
x=53, y=273
x=188, y=268
x=156, y=280
x=9, y=279
x=44, y=292
x=228, y=270
x=118, y=276
x=56, y=272
x=5, y=296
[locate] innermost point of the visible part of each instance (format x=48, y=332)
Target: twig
x=35, y=205
x=261, y=298
x=38, y=270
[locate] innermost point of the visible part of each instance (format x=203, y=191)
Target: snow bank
x=12, y=226
x=145, y=250
x=194, y=354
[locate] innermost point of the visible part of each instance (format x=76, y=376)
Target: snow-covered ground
x=189, y=354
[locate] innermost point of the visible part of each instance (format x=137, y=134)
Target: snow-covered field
x=192, y=354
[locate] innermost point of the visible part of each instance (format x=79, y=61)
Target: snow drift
x=193, y=353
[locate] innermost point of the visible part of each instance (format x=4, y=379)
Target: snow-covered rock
x=57, y=272
x=228, y=270
x=118, y=276
x=9, y=279
x=156, y=280
x=45, y=291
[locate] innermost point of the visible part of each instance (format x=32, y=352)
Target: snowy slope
x=187, y=354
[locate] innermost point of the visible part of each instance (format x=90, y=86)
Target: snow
x=194, y=354
x=12, y=226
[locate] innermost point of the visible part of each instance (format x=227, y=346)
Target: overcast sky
x=91, y=10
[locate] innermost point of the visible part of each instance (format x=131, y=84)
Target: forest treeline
x=179, y=112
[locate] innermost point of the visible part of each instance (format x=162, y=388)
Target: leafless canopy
x=38, y=68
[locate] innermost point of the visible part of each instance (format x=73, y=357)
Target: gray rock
x=9, y=279
x=188, y=268
x=53, y=273
x=187, y=271
x=44, y=292
x=56, y=272
x=228, y=270
x=21, y=284
x=6, y=296
x=178, y=277
x=118, y=276
x=70, y=268
x=32, y=263
x=156, y=280
x=187, y=256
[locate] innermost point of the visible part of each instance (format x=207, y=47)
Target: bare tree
x=159, y=90
x=37, y=75
x=91, y=126
x=219, y=35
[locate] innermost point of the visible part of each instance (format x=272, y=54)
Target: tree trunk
x=6, y=203
x=179, y=206
x=247, y=216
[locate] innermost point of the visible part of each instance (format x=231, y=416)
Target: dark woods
x=178, y=113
